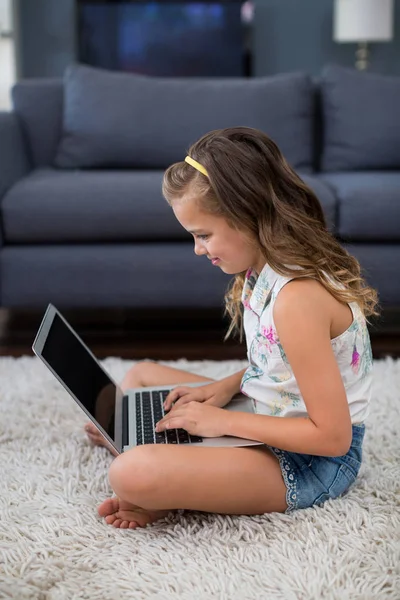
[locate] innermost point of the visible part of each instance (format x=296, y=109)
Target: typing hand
x=197, y=419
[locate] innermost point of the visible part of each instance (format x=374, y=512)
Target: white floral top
x=269, y=379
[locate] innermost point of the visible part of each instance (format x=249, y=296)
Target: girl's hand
x=196, y=418
x=210, y=393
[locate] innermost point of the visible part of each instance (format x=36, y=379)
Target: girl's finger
x=182, y=401
x=169, y=424
x=174, y=395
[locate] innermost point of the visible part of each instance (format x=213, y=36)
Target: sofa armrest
x=14, y=161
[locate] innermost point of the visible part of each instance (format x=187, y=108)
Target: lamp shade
x=363, y=20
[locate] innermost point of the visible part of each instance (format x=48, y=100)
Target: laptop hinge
x=125, y=423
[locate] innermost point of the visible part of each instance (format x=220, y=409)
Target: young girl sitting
x=302, y=303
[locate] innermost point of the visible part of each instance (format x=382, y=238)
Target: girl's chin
x=229, y=270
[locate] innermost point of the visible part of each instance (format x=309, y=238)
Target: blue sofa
x=83, y=220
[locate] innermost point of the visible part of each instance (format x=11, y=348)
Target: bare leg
x=161, y=478
x=142, y=374
x=152, y=480
x=145, y=373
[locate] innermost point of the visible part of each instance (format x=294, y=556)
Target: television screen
x=178, y=39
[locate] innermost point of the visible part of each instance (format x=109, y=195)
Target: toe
x=117, y=523
x=110, y=519
x=124, y=525
x=108, y=507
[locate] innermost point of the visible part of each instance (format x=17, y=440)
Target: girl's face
x=227, y=248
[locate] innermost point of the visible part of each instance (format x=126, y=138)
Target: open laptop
x=125, y=419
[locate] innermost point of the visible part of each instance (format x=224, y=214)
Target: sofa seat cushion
x=369, y=205
x=50, y=206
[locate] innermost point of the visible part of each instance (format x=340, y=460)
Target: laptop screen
x=81, y=373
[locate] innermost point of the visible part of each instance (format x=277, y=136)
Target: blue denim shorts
x=311, y=480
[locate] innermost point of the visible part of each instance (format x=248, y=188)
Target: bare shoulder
x=307, y=300
x=304, y=299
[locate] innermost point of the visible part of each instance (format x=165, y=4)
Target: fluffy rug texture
x=53, y=545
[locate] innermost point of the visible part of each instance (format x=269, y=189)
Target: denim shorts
x=311, y=480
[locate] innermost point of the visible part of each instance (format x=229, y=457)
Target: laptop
x=125, y=419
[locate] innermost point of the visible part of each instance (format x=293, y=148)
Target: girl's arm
x=232, y=383
x=303, y=315
x=219, y=393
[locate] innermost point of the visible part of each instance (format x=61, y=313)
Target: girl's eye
x=203, y=237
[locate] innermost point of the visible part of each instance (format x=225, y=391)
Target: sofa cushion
x=326, y=197
x=125, y=120
x=50, y=206
x=361, y=120
x=369, y=205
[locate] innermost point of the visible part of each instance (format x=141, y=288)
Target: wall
x=7, y=73
x=289, y=35
x=295, y=35
x=5, y=16
x=45, y=36
x=7, y=59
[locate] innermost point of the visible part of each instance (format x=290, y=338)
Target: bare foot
x=97, y=439
x=126, y=515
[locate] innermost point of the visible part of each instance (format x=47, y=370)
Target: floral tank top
x=269, y=379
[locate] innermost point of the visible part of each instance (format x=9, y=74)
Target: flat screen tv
x=167, y=39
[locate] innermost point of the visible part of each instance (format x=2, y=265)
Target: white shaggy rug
x=53, y=546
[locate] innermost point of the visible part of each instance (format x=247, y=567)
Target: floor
x=160, y=335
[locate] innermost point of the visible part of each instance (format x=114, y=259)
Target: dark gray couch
x=83, y=221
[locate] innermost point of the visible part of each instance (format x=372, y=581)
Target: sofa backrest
x=39, y=106
x=361, y=120
x=66, y=134
x=349, y=123
x=121, y=120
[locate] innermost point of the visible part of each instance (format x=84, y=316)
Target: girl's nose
x=199, y=249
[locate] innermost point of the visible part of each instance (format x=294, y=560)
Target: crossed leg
x=151, y=480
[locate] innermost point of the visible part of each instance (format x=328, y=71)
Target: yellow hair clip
x=196, y=165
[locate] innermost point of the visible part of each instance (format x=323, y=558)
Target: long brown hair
x=252, y=186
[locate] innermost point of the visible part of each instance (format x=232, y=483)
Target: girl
x=303, y=306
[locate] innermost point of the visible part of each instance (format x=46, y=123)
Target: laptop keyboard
x=150, y=410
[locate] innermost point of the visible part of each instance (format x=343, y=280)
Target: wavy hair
x=252, y=186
